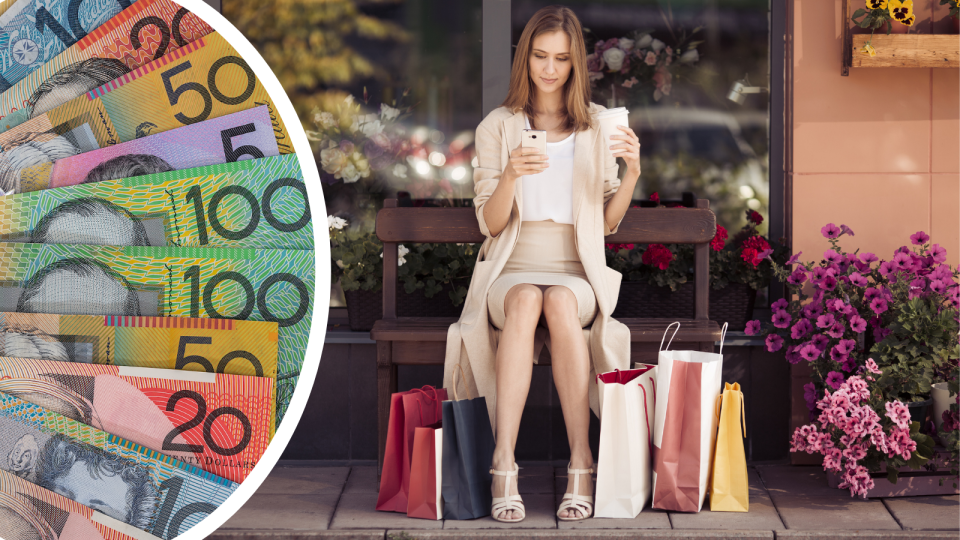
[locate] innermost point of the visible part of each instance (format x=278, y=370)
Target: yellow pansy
x=868, y=49
x=876, y=4
x=900, y=10
x=909, y=20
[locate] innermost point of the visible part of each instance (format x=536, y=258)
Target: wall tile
x=946, y=121
x=945, y=218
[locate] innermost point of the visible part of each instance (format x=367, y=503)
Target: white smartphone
x=534, y=138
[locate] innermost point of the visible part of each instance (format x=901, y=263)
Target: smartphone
x=534, y=138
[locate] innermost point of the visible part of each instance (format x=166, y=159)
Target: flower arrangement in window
x=883, y=12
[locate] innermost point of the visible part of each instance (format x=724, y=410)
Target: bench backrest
x=396, y=225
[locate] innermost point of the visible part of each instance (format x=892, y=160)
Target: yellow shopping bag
x=729, y=491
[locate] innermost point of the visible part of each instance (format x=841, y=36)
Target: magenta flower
x=793, y=260
x=880, y=333
x=812, y=310
x=836, y=331
x=858, y=324
x=828, y=283
x=800, y=329
x=899, y=413
x=781, y=319
x=872, y=366
x=872, y=293
x=780, y=304
x=869, y=258
x=820, y=341
x=753, y=328
x=938, y=286
x=793, y=356
x=832, y=256
x=857, y=279
x=797, y=277
x=825, y=321
x=835, y=304
x=774, y=343
x=846, y=346
x=837, y=354
x=830, y=231
x=919, y=238
x=809, y=352
x=878, y=305
x=810, y=395
x=938, y=253
x=902, y=262
x=834, y=379
x=886, y=268
x=819, y=273
x=846, y=230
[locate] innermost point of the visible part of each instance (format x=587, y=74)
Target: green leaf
x=893, y=474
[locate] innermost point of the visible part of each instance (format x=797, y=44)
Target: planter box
x=907, y=50
x=911, y=482
x=732, y=304
x=366, y=307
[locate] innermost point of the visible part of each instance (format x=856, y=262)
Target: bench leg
x=386, y=386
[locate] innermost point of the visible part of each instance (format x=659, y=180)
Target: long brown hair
x=575, y=104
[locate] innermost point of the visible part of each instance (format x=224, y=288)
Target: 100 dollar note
x=30, y=511
x=31, y=32
x=201, y=80
x=259, y=203
x=136, y=36
x=220, y=423
x=211, y=345
x=132, y=484
x=273, y=285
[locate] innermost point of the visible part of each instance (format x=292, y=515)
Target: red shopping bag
x=408, y=410
x=425, y=499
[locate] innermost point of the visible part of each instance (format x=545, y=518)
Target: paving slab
x=357, y=510
x=285, y=512
x=540, y=515
x=926, y=513
x=362, y=479
x=536, y=479
x=866, y=535
x=304, y=480
x=648, y=518
x=534, y=534
x=762, y=514
x=805, y=502
x=298, y=535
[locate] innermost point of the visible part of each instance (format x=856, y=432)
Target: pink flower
x=650, y=59
x=836, y=331
x=846, y=230
x=797, y=277
x=781, y=319
x=810, y=395
x=820, y=341
x=858, y=324
x=800, y=329
x=780, y=304
x=939, y=286
x=832, y=256
x=825, y=321
x=878, y=305
x=869, y=258
x=831, y=460
x=753, y=328
x=809, y=352
x=630, y=82
x=886, y=268
x=899, y=413
x=857, y=279
x=793, y=355
x=872, y=293
x=793, y=260
x=919, y=238
x=834, y=379
x=938, y=253
x=774, y=343
x=830, y=231
x=872, y=366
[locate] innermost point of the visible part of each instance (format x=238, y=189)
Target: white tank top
x=549, y=194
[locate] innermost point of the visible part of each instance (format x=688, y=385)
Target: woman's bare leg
x=571, y=375
x=522, y=308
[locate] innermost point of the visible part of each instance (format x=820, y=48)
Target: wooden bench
x=422, y=340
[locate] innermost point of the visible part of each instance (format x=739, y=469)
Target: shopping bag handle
x=463, y=376
x=671, y=337
x=435, y=398
x=646, y=411
x=723, y=335
x=743, y=412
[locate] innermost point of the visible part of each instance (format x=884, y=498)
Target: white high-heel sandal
x=575, y=501
x=507, y=502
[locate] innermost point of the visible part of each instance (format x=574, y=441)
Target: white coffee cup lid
x=613, y=112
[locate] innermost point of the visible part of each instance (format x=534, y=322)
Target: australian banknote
x=203, y=79
x=130, y=483
x=211, y=345
x=34, y=32
x=30, y=511
x=259, y=203
x=220, y=423
x=273, y=285
x=136, y=36
x=238, y=136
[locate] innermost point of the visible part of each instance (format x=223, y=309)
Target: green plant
x=954, y=7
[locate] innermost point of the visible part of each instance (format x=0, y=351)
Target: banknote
x=136, y=36
x=203, y=79
x=273, y=285
x=220, y=423
x=210, y=345
x=119, y=478
x=258, y=203
x=30, y=511
x=238, y=136
x=32, y=32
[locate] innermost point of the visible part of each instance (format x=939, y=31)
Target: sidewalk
x=299, y=502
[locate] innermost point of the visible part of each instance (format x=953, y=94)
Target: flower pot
x=918, y=410
x=732, y=304
x=366, y=307
x=941, y=402
x=912, y=482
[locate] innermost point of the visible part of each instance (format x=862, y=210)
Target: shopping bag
x=626, y=430
x=685, y=429
x=467, y=455
x=729, y=489
x=425, y=500
x=408, y=410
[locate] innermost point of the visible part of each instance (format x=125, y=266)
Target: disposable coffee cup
x=609, y=120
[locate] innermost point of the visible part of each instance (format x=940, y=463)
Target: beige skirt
x=545, y=254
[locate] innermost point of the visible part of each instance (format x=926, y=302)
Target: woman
x=541, y=276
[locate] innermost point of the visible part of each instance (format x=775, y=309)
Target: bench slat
x=639, y=225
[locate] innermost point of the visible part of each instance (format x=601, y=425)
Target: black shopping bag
x=467, y=455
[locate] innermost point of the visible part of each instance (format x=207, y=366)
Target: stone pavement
x=300, y=502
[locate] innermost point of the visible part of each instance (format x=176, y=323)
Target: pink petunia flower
x=830, y=231
x=780, y=304
x=793, y=260
x=846, y=230
x=878, y=305
x=938, y=253
x=869, y=258
x=919, y=238
x=834, y=379
x=857, y=279
x=800, y=329
x=820, y=341
x=809, y=352
x=832, y=256
x=781, y=319
x=825, y=321
x=774, y=343
x=828, y=283
x=753, y=328
x=858, y=324
x=836, y=331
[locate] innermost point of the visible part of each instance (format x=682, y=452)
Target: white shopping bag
x=626, y=426
x=685, y=428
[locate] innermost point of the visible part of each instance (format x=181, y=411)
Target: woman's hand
x=629, y=150
x=522, y=165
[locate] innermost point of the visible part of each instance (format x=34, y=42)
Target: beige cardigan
x=472, y=341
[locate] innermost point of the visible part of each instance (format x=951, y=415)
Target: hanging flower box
x=907, y=50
